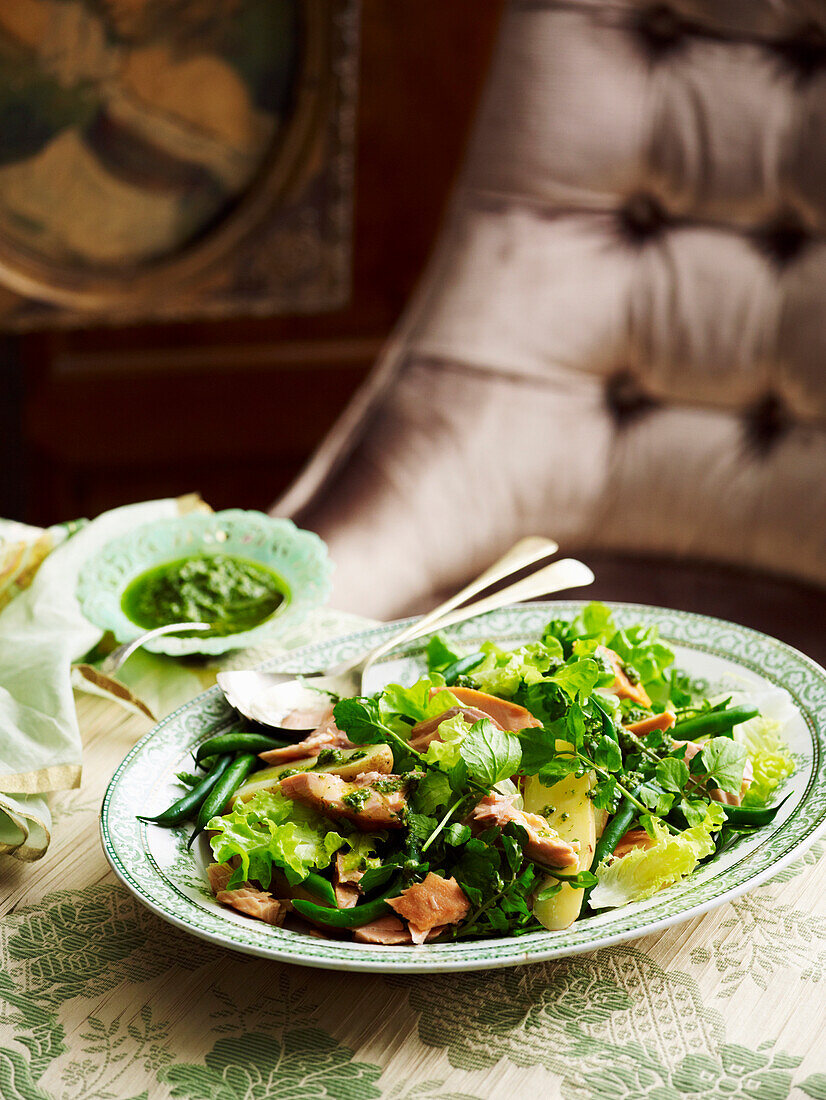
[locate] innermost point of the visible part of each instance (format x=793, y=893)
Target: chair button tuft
x=661, y=29
x=767, y=422
x=642, y=217
x=784, y=238
x=805, y=52
x=625, y=397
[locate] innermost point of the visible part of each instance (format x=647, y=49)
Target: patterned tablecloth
x=99, y=998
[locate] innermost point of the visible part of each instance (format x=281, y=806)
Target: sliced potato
x=353, y=762
x=571, y=813
x=347, y=763
x=269, y=778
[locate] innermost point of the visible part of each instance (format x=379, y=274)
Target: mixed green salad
x=505, y=792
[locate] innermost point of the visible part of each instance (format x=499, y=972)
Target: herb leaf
x=478, y=870
x=655, y=798
x=491, y=754
x=583, y=880
x=549, y=892
x=607, y=754
x=672, y=774
x=400, y=708
x=360, y=720
x=559, y=768
x=539, y=747
x=513, y=851
x=694, y=811
x=433, y=792
x=456, y=834
x=606, y=794
x=724, y=760
x=546, y=701
x=419, y=826
x=376, y=876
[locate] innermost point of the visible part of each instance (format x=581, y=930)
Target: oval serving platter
x=154, y=864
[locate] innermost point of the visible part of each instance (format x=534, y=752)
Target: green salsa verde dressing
x=231, y=593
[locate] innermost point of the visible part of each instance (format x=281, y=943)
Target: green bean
x=348, y=918
x=745, y=817
x=713, y=723
x=614, y=831
x=237, y=741
x=752, y=815
x=226, y=786
x=318, y=885
x=189, y=804
x=460, y=667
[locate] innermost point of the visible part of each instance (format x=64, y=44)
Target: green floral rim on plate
x=154, y=865
x=298, y=557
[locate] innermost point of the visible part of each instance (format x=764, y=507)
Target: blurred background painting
x=181, y=159
x=129, y=126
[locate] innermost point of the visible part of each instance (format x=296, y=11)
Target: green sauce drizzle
x=231, y=593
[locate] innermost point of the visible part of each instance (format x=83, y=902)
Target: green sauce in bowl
x=231, y=593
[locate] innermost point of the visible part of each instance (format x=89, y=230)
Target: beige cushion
x=621, y=340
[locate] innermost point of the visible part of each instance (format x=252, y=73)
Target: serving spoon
x=251, y=691
x=299, y=704
x=111, y=663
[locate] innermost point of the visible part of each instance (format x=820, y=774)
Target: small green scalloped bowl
x=298, y=558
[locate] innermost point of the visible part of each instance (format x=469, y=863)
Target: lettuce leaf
x=762, y=738
x=593, y=624
x=503, y=671
x=770, y=766
x=640, y=647
x=643, y=872
x=270, y=831
x=400, y=708
x=446, y=751
x=510, y=790
x=769, y=755
x=363, y=853
x=440, y=653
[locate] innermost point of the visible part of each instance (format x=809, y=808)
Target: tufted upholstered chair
x=621, y=340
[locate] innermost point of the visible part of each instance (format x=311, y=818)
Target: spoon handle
x=556, y=577
x=109, y=665
x=559, y=575
x=523, y=553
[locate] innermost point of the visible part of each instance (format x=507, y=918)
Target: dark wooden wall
x=234, y=408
